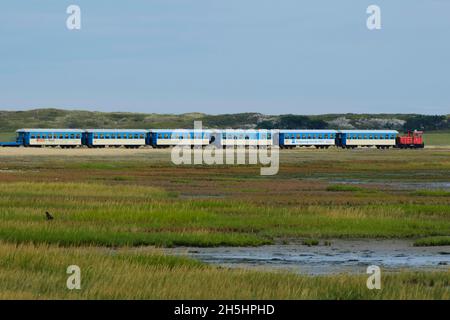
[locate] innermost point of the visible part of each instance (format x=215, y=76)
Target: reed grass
x=39, y=272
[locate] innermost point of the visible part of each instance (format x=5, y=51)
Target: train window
x=325, y=136
x=166, y=136
x=286, y=136
x=78, y=136
x=269, y=136
x=102, y=136
x=159, y=136
x=224, y=136
x=67, y=136
x=246, y=137
x=320, y=136
x=33, y=137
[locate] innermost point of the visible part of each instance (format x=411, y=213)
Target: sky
x=226, y=56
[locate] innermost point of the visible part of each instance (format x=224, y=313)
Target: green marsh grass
x=432, y=193
x=134, y=215
x=344, y=187
x=107, y=205
x=130, y=215
x=433, y=241
x=39, y=272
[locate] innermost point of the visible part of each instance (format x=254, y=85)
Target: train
x=163, y=138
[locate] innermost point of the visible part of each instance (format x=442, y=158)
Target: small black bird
x=48, y=215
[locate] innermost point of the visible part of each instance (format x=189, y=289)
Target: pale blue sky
x=226, y=56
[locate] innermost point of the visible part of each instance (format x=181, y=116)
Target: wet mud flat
x=341, y=256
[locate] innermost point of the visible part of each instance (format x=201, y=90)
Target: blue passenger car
x=128, y=138
x=66, y=138
x=382, y=139
x=159, y=138
x=241, y=137
x=290, y=138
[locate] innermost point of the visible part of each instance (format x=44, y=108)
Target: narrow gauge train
x=382, y=139
x=232, y=137
x=305, y=138
x=160, y=138
x=101, y=138
x=64, y=138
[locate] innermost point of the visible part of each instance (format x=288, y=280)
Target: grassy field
x=107, y=202
x=437, y=138
x=39, y=272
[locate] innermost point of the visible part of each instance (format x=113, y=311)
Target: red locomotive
x=413, y=140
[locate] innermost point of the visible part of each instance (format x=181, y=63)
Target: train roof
x=117, y=130
x=183, y=130
x=240, y=131
x=368, y=131
x=49, y=130
x=307, y=130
